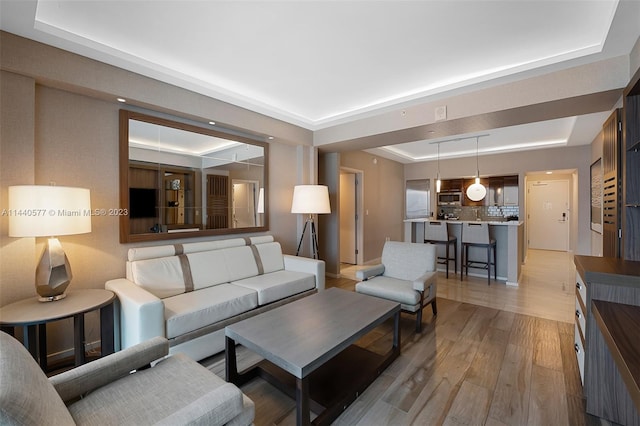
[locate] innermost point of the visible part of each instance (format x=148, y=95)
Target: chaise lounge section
x=188, y=293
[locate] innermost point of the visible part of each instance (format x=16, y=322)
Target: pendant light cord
x=477, y=167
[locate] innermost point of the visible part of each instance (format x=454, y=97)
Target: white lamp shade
x=310, y=199
x=46, y=211
x=477, y=191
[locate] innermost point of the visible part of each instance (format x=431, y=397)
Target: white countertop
x=490, y=222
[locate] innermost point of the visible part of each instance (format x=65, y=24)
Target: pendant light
x=438, y=181
x=476, y=191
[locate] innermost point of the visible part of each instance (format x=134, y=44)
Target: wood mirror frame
x=187, y=185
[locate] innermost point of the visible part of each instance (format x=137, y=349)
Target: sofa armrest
x=305, y=264
x=73, y=383
x=426, y=281
x=369, y=272
x=141, y=313
x=216, y=407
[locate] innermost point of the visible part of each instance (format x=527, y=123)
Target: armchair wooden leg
x=419, y=321
x=434, y=308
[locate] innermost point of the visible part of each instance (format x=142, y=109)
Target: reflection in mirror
x=181, y=179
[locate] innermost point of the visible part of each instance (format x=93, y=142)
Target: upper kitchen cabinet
x=451, y=185
x=503, y=191
x=511, y=190
x=496, y=191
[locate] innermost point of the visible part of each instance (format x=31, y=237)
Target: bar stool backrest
x=475, y=233
x=436, y=231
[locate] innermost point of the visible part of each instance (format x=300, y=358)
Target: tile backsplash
x=482, y=213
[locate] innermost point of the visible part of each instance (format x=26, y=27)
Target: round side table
x=33, y=316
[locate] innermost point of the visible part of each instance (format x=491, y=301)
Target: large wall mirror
x=179, y=180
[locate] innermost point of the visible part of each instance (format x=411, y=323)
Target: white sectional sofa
x=189, y=292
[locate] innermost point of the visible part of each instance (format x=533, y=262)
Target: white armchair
x=407, y=275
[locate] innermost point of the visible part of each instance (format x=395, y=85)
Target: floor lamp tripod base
x=314, y=237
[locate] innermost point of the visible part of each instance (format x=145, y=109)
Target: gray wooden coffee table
x=309, y=352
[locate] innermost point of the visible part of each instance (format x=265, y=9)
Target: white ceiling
x=318, y=63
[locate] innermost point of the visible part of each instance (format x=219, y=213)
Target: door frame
x=360, y=221
x=532, y=180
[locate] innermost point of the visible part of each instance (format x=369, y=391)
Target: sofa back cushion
x=162, y=277
x=270, y=256
x=408, y=261
x=142, y=253
x=221, y=266
x=170, y=270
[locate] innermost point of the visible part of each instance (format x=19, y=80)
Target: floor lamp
x=310, y=200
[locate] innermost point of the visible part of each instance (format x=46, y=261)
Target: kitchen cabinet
x=510, y=191
x=451, y=185
x=503, y=191
x=610, y=280
x=496, y=191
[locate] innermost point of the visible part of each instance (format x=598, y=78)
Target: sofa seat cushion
x=400, y=291
x=190, y=311
x=278, y=285
x=155, y=394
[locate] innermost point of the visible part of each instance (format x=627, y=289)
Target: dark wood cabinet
x=451, y=185
x=501, y=190
x=496, y=191
x=511, y=193
x=173, y=201
x=630, y=214
x=611, y=280
x=611, y=185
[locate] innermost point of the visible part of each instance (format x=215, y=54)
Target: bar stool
x=477, y=235
x=437, y=233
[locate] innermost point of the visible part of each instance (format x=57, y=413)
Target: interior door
x=548, y=215
x=348, y=227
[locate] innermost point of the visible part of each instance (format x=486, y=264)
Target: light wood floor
x=490, y=357
x=546, y=288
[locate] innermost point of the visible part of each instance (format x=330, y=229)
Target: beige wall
x=383, y=194
x=54, y=131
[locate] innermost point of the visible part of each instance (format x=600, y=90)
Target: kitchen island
x=509, y=236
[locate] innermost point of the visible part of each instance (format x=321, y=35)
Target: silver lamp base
x=53, y=273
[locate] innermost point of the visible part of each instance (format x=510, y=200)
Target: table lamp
x=49, y=211
x=310, y=199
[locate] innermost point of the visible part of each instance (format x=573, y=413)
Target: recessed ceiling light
x=123, y=100
x=549, y=173
x=270, y=138
x=213, y=123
